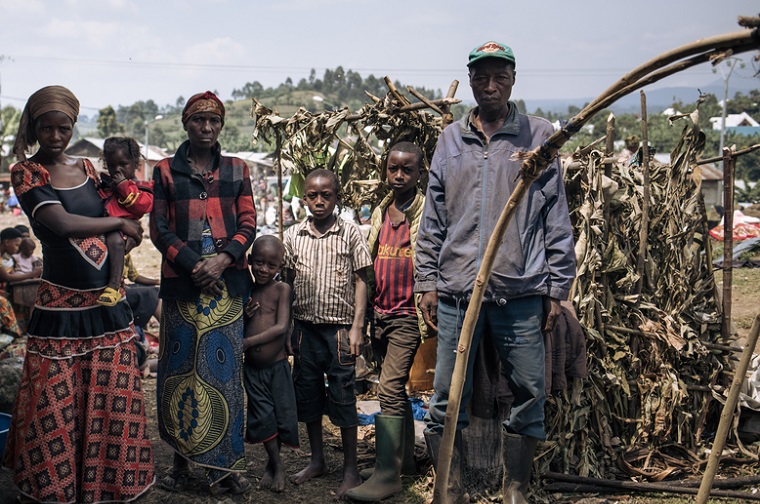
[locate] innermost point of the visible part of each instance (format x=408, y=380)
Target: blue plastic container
x=5, y=424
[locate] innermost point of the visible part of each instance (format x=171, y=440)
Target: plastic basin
x=5, y=424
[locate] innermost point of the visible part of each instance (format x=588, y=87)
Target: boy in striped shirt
x=325, y=262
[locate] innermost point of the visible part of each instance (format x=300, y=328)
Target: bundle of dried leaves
x=652, y=380
x=353, y=146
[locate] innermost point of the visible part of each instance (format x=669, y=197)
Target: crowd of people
x=230, y=319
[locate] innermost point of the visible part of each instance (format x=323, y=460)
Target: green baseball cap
x=492, y=49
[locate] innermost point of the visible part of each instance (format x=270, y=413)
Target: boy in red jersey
x=398, y=325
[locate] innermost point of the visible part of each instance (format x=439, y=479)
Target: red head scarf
x=203, y=102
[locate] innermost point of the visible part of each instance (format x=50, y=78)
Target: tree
x=9, y=119
x=107, y=125
x=157, y=135
x=749, y=103
x=249, y=90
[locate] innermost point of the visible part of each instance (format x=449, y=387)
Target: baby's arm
x=281, y=325
x=135, y=200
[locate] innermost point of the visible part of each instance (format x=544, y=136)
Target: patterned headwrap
x=203, y=102
x=45, y=100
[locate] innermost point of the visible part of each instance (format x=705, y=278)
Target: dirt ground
x=321, y=490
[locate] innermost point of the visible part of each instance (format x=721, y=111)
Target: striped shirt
x=394, y=270
x=324, y=268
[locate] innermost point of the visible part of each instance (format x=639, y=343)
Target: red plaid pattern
x=183, y=202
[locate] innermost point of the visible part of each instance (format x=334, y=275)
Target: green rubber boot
x=518, y=452
x=455, y=493
x=408, y=464
x=386, y=477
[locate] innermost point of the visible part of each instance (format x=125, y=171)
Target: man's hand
x=429, y=308
x=552, y=311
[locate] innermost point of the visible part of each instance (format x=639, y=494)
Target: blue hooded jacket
x=470, y=182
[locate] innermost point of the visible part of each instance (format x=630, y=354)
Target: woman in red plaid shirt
x=203, y=222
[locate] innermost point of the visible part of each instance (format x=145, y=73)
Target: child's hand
x=356, y=341
x=117, y=178
x=251, y=307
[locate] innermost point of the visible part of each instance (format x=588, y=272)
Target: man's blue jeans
x=515, y=327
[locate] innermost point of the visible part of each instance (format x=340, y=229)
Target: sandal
x=109, y=297
x=176, y=481
x=233, y=484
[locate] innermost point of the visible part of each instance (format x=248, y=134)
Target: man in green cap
x=473, y=173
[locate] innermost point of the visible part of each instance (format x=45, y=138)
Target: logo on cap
x=491, y=47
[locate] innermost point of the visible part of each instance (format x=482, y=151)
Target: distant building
x=742, y=124
x=260, y=164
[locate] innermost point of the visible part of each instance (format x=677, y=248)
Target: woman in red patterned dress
x=78, y=431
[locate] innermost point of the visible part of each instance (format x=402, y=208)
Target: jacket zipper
x=483, y=190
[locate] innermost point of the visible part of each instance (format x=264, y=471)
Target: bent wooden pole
x=534, y=162
x=726, y=416
x=465, y=339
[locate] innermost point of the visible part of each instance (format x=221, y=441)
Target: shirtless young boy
x=272, y=418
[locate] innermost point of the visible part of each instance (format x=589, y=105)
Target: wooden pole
x=447, y=117
x=729, y=163
x=609, y=151
x=278, y=152
x=644, y=231
x=394, y=91
x=726, y=416
x=596, y=485
x=738, y=153
x=421, y=97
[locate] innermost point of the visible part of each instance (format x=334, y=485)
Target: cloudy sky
x=112, y=52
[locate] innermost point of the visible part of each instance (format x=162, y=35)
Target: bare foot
x=278, y=483
x=351, y=479
x=266, y=481
x=313, y=470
